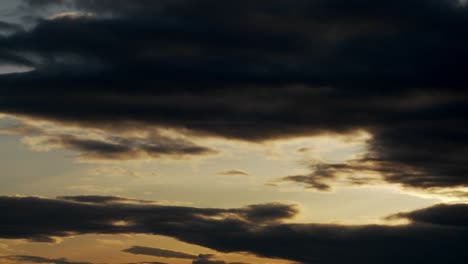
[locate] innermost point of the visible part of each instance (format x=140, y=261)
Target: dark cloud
x=233, y=173
x=310, y=181
x=403, y=159
x=271, y=212
x=324, y=174
x=147, y=262
x=123, y=148
x=200, y=259
x=97, y=199
x=197, y=259
x=118, y=147
x=158, y=252
x=207, y=259
x=455, y=215
x=259, y=70
x=43, y=3
x=72, y=215
x=228, y=230
x=99, y=145
x=313, y=180
x=35, y=259
x=9, y=27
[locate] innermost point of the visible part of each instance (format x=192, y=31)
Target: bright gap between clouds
x=202, y=181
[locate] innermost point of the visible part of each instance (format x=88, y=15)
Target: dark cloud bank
x=258, y=70
x=434, y=235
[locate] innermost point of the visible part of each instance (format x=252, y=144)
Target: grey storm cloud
x=245, y=230
x=258, y=70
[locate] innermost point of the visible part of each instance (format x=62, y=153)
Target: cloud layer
x=257, y=70
x=258, y=229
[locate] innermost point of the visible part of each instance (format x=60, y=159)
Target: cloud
x=207, y=259
x=99, y=145
x=158, y=252
x=118, y=148
x=245, y=230
x=35, y=259
x=353, y=172
x=258, y=70
x=43, y=3
x=97, y=199
x=233, y=173
x=9, y=27
x=164, y=253
x=72, y=215
x=200, y=259
x=210, y=259
x=147, y=262
x=455, y=215
x=270, y=212
x=312, y=181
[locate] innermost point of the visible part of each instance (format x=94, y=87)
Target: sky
x=233, y=132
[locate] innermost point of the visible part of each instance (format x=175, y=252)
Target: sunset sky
x=233, y=132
